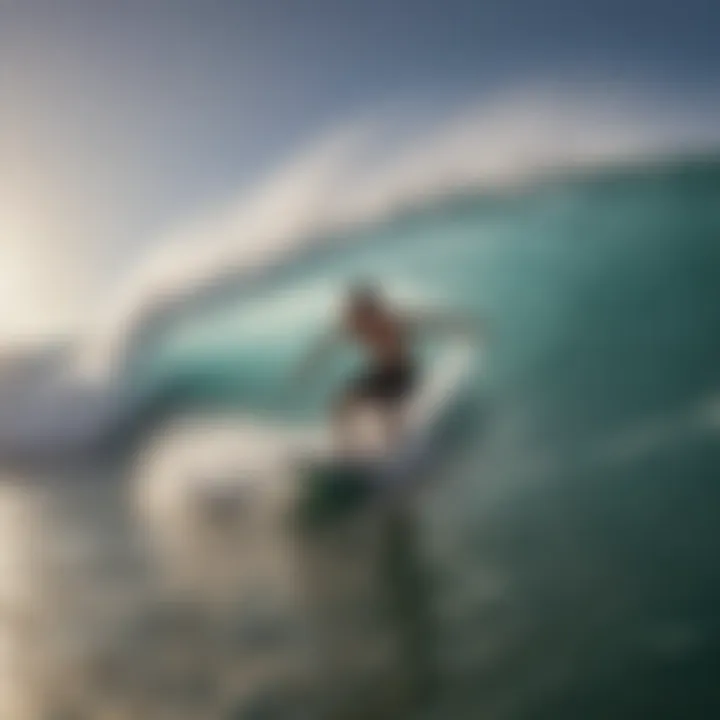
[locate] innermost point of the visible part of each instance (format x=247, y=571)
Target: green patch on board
x=332, y=492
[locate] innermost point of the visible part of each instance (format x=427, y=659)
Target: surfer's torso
x=390, y=374
x=386, y=339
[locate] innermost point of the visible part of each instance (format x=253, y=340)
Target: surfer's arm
x=314, y=358
x=454, y=324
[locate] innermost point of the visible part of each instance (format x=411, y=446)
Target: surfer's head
x=364, y=302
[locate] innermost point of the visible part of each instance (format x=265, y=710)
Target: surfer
x=392, y=371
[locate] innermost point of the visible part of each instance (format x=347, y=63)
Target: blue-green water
x=597, y=292
x=593, y=491
x=574, y=545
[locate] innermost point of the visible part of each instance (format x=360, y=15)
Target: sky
x=121, y=120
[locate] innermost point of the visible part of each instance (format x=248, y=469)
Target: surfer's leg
x=342, y=412
x=360, y=391
x=392, y=392
x=393, y=421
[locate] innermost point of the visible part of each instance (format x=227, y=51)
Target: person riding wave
x=388, y=337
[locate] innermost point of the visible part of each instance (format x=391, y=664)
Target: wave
x=180, y=339
x=229, y=344
x=370, y=171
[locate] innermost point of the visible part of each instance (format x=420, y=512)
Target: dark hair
x=365, y=295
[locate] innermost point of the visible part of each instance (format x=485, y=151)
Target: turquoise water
x=572, y=546
x=593, y=492
x=597, y=292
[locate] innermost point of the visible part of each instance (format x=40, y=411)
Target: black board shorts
x=385, y=383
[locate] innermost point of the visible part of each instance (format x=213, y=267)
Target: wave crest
x=362, y=173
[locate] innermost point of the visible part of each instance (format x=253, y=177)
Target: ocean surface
x=562, y=564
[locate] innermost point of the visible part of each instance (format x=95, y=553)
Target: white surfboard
x=449, y=382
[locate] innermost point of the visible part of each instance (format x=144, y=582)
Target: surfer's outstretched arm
x=315, y=357
x=459, y=325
